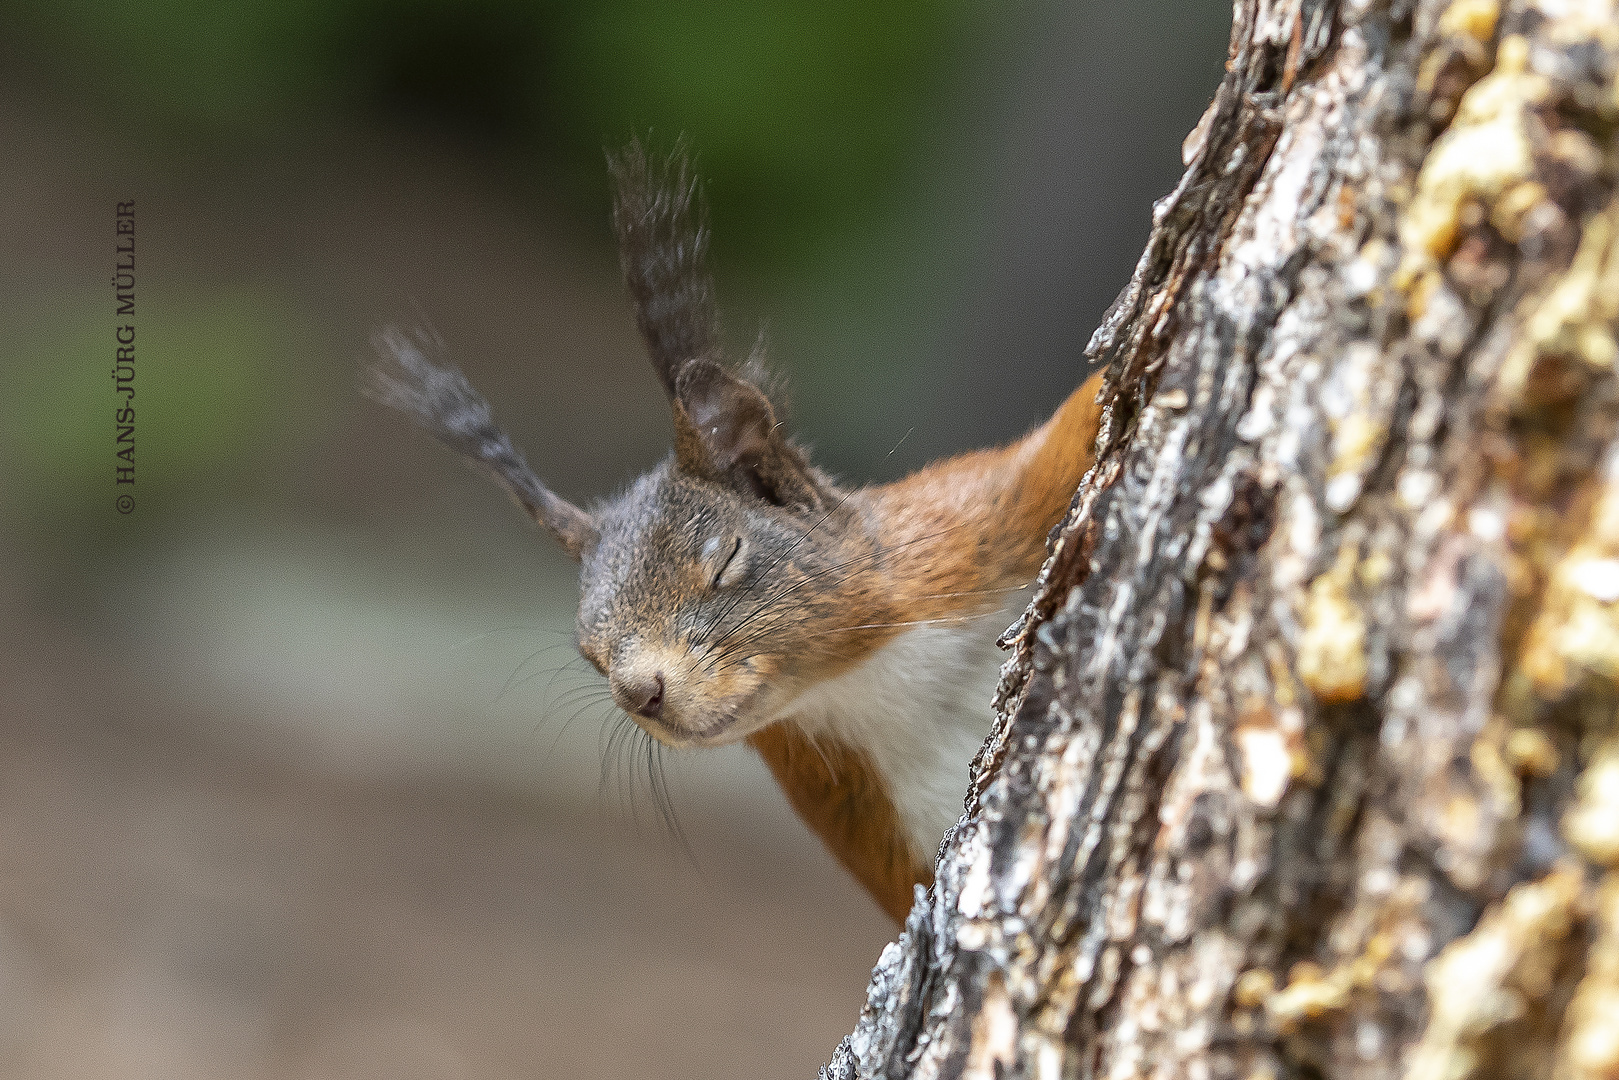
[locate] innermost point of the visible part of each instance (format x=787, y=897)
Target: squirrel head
x=695, y=598
x=698, y=603
x=716, y=588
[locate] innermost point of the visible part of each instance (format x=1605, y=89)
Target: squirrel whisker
x=962, y=618
x=867, y=557
x=584, y=692
x=523, y=628
x=658, y=780
x=907, y=622
x=556, y=739
x=589, y=680
x=870, y=555
x=762, y=575
x=907, y=597
x=967, y=592
x=508, y=684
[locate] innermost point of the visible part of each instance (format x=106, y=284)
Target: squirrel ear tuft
x=662, y=227
x=440, y=399
x=726, y=431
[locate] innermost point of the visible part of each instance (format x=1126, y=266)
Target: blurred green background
x=288, y=782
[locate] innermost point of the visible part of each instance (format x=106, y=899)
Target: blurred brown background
x=296, y=779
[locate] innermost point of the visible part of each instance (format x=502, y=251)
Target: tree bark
x=1306, y=760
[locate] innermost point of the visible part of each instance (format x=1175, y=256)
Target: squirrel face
x=696, y=603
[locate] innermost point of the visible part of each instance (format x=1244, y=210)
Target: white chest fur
x=920, y=708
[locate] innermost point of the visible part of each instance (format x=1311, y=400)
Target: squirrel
x=735, y=592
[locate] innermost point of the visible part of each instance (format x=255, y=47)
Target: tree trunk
x=1307, y=759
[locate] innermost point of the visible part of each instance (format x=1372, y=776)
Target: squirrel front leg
x=843, y=800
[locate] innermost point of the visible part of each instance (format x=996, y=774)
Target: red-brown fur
x=960, y=535
x=841, y=798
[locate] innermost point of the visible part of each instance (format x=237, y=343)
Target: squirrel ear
x=726, y=431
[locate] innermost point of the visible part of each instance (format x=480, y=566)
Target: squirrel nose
x=644, y=696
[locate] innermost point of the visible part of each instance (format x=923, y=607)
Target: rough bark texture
x=1306, y=759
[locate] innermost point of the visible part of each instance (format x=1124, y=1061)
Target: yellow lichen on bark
x=1505, y=985
x=1575, y=319
x=1576, y=634
x=1592, y=827
x=1474, y=18
x=1332, y=649
x=1484, y=984
x=1483, y=154
x=1590, y=1044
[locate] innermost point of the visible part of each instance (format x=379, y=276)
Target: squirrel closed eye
x=730, y=569
x=735, y=592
